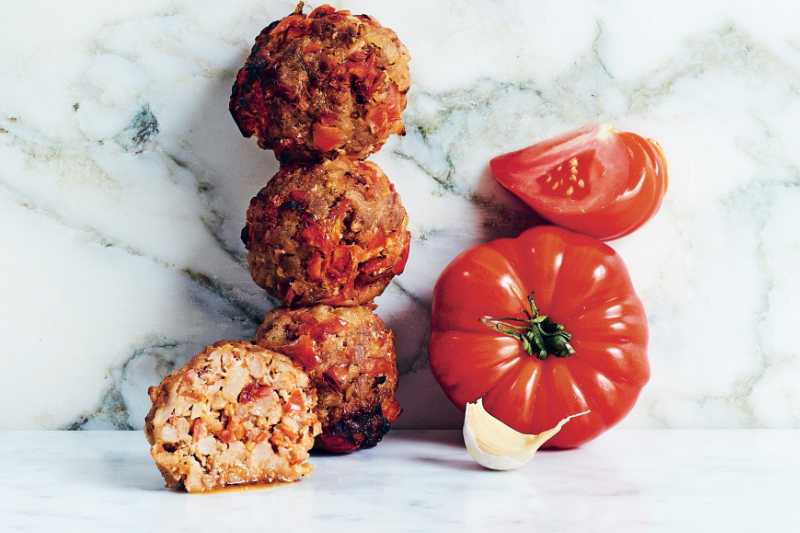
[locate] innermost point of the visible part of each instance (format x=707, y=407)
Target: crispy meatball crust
x=332, y=233
x=349, y=355
x=235, y=413
x=321, y=84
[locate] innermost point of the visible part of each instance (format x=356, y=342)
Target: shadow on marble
x=121, y=468
x=454, y=464
x=229, y=170
x=448, y=438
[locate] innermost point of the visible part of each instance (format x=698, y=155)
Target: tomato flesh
x=543, y=176
x=593, y=180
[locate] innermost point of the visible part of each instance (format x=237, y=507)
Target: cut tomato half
x=593, y=180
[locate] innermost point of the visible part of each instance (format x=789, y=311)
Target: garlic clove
x=497, y=446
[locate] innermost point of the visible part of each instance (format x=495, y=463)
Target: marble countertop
x=626, y=480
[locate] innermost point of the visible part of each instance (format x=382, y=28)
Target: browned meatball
x=235, y=413
x=321, y=84
x=349, y=355
x=332, y=233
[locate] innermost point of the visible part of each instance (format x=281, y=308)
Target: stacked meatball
x=349, y=355
x=327, y=233
x=332, y=233
x=325, y=236
x=323, y=84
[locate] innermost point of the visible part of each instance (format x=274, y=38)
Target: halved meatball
x=235, y=413
x=332, y=233
x=321, y=84
x=349, y=355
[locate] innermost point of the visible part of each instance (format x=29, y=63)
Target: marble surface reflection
x=627, y=480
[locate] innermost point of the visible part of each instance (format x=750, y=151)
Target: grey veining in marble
x=124, y=185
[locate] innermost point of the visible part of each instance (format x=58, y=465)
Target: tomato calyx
x=539, y=334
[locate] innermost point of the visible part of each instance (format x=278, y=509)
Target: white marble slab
x=124, y=184
x=627, y=480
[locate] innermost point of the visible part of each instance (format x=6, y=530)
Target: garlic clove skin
x=497, y=446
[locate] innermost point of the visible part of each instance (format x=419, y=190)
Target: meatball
x=235, y=413
x=349, y=355
x=321, y=84
x=332, y=233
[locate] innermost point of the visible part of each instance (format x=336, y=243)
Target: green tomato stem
x=538, y=334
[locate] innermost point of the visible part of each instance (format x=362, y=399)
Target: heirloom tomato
x=593, y=180
x=541, y=327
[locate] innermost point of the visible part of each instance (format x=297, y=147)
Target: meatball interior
x=349, y=355
x=235, y=413
x=333, y=233
x=321, y=84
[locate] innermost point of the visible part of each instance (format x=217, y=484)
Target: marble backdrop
x=124, y=184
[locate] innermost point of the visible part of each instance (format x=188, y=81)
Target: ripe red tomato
x=597, y=362
x=593, y=180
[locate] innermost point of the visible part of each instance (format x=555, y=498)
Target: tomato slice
x=593, y=180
